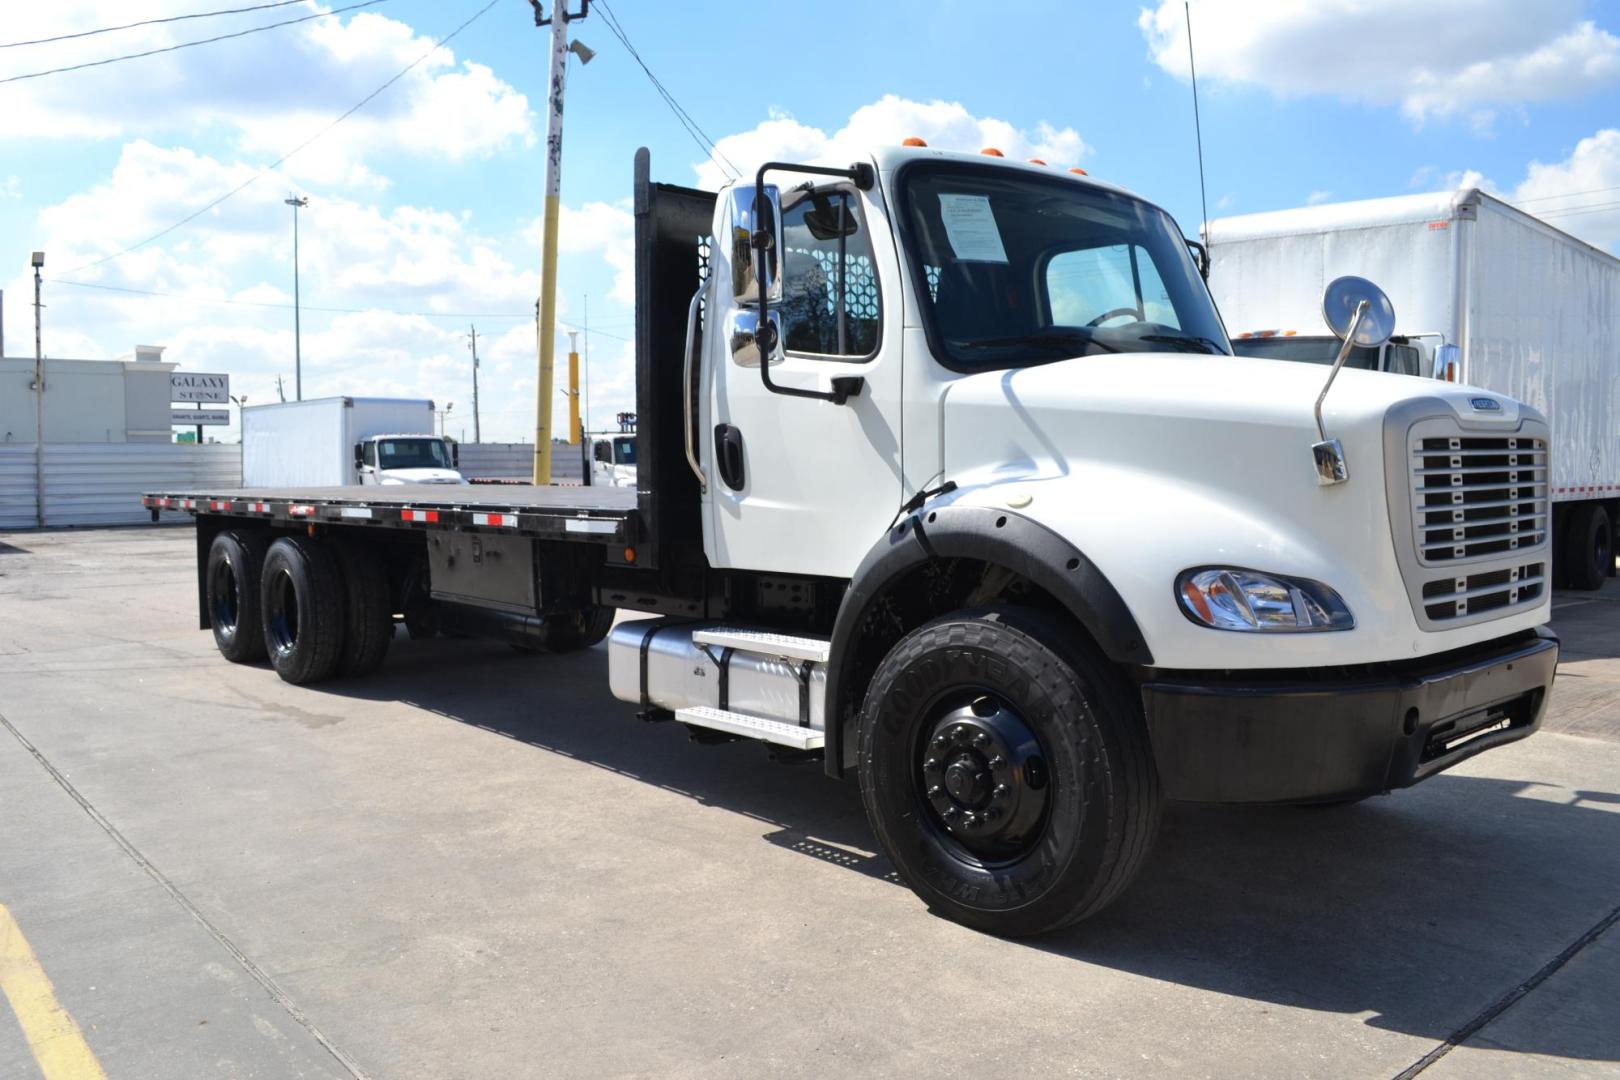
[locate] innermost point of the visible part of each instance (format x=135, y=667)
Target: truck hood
x=1192, y=415
x=1154, y=464
x=421, y=476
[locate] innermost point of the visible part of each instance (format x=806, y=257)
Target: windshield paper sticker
x=971, y=228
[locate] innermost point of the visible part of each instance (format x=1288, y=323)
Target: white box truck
x=1485, y=295
x=947, y=477
x=329, y=442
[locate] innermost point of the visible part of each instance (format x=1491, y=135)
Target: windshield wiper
x=1203, y=344
x=1064, y=342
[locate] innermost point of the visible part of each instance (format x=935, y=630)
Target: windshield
x=1308, y=350
x=1020, y=269
x=624, y=450
x=412, y=454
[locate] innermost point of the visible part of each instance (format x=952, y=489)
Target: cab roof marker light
x=912, y=140
x=991, y=151
x=1079, y=171
x=1036, y=161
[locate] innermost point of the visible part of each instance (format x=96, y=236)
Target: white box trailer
x=312, y=443
x=1530, y=312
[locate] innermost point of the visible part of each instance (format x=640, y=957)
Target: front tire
x=235, y=561
x=1006, y=771
x=301, y=601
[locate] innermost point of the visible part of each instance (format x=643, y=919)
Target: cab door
x=801, y=485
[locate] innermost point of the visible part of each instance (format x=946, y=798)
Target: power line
x=189, y=44
x=309, y=307
x=356, y=107
x=706, y=144
x=1198, y=125
x=148, y=22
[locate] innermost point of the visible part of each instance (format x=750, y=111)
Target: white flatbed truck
x=999, y=526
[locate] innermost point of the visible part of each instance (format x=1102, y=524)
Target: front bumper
x=1318, y=736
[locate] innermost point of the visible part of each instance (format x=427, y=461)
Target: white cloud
x=1316, y=198
x=269, y=92
x=946, y=125
x=598, y=228
x=1580, y=194
x=1433, y=59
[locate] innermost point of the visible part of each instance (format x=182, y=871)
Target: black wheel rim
x=283, y=612
x=983, y=778
x=226, y=608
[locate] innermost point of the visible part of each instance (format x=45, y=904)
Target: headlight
x=1232, y=599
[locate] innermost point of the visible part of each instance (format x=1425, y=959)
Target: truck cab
x=613, y=460
x=407, y=459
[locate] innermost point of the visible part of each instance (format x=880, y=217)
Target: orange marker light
x=1079, y=172
x=630, y=554
x=912, y=140
x=1036, y=161
x=992, y=152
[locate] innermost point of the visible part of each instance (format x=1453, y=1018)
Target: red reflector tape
x=502, y=521
x=219, y=504
x=188, y=504
x=426, y=517
x=258, y=508
x=301, y=511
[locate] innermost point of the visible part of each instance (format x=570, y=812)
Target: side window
x=370, y=453
x=829, y=285
x=1107, y=285
x=1402, y=359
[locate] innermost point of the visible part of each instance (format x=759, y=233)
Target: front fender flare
x=1019, y=544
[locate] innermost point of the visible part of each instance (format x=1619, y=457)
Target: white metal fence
x=102, y=483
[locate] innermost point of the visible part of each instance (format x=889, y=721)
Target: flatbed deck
x=601, y=514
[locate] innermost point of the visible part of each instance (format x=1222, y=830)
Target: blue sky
x=426, y=201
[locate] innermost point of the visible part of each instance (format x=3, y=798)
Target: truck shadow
x=1417, y=910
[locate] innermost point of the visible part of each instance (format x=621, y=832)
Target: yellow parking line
x=56, y=1041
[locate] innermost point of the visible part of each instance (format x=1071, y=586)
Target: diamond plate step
x=752, y=727
x=766, y=643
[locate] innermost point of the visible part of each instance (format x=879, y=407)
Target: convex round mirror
x=1339, y=303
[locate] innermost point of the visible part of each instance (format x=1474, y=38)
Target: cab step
x=752, y=727
x=765, y=643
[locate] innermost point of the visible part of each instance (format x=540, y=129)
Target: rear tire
x=1588, y=547
x=570, y=631
x=235, y=562
x=1006, y=770
x=368, y=615
x=301, y=601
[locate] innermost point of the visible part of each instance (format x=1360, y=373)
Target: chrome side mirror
x=746, y=218
x=1359, y=314
x=744, y=338
x=1447, y=359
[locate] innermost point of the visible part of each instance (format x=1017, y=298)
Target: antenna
x=1198, y=127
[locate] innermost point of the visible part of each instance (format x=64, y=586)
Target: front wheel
x=1006, y=771
x=568, y=631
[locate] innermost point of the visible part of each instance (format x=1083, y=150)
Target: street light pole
x=472, y=343
x=295, y=201
x=39, y=400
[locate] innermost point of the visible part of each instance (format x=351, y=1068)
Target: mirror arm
x=1344, y=354
x=864, y=177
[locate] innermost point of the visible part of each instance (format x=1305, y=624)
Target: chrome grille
x=1477, y=496
x=1476, y=594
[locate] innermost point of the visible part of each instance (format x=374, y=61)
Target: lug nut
x=992, y=813
x=949, y=812
x=1001, y=791
x=981, y=739
x=931, y=764
x=998, y=762
x=935, y=792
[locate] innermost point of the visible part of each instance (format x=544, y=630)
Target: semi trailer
x=1488, y=295
x=948, y=479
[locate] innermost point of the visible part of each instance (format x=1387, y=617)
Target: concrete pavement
x=477, y=863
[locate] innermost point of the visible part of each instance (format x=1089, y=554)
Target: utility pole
x=39, y=399
x=280, y=393
x=472, y=343
x=547, y=329
x=586, y=417
x=573, y=388
x=295, y=201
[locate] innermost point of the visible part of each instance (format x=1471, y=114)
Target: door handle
x=728, y=454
